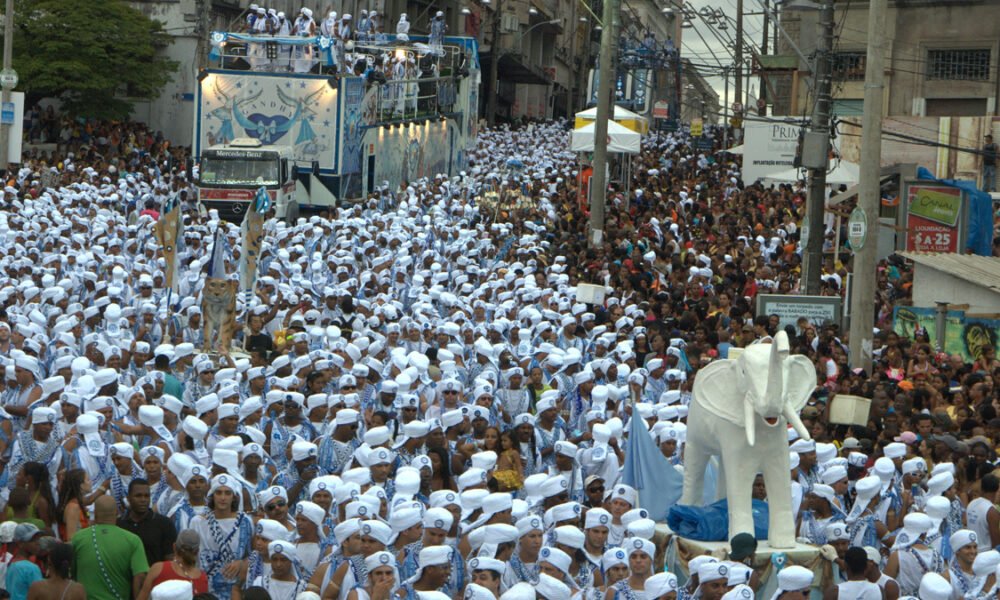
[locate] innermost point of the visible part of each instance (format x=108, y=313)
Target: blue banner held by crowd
x=648, y=471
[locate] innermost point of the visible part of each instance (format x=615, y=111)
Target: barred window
x=959, y=65
x=849, y=66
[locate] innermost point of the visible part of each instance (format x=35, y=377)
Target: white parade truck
x=330, y=134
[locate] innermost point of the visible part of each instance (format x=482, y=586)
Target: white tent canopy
x=621, y=139
x=840, y=172
x=620, y=114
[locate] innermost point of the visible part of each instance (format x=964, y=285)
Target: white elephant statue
x=740, y=410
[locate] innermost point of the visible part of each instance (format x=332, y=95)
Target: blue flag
x=217, y=258
x=262, y=200
x=648, y=471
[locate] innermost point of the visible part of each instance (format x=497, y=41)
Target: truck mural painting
x=299, y=112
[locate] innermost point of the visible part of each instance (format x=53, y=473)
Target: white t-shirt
x=976, y=514
x=858, y=590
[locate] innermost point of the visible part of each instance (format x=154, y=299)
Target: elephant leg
x=720, y=479
x=781, y=522
x=739, y=488
x=695, y=459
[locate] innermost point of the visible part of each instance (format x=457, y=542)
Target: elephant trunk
x=751, y=421
x=776, y=368
x=796, y=423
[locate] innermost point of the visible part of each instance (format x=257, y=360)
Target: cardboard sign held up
x=590, y=294
x=849, y=410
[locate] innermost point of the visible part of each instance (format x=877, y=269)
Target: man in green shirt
x=109, y=561
x=171, y=385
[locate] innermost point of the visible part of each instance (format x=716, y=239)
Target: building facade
x=941, y=58
x=546, y=49
x=699, y=99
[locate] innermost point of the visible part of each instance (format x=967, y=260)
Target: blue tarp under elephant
x=711, y=523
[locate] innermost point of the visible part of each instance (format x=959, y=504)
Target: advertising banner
x=768, y=148
x=933, y=215
x=820, y=310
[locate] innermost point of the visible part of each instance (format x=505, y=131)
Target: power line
x=914, y=140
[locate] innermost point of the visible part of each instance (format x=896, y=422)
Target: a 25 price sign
x=933, y=219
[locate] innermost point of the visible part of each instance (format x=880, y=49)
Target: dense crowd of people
x=418, y=405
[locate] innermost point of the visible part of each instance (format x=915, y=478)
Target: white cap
x=175, y=589
x=551, y=588
x=934, y=587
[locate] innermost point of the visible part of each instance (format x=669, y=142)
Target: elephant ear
x=800, y=381
x=719, y=387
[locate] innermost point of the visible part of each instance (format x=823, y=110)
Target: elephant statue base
x=740, y=411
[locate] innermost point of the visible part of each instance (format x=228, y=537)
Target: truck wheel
x=292, y=212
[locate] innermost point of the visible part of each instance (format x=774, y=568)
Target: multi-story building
x=699, y=100
x=941, y=58
x=546, y=49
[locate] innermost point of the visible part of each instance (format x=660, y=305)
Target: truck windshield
x=239, y=170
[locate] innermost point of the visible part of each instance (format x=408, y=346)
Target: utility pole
x=491, y=99
x=738, y=56
x=763, y=52
x=8, y=58
x=812, y=266
x=605, y=87
x=573, y=28
x=764, y=36
x=725, y=110
x=869, y=197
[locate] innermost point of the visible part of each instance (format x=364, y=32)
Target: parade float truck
x=333, y=134
x=229, y=176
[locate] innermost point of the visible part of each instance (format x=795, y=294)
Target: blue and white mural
x=300, y=112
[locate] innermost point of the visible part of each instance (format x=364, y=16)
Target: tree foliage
x=92, y=54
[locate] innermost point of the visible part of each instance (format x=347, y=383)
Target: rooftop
x=980, y=270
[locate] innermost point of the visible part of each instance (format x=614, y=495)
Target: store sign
x=932, y=219
x=819, y=310
x=768, y=148
x=697, y=127
x=857, y=228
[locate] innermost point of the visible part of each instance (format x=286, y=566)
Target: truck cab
x=229, y=176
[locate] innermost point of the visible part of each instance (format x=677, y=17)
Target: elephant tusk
x=796, y=423
x=751, y=422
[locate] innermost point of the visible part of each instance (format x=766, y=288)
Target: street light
x=466, y=11
x=520, y=36
x=532, y=11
